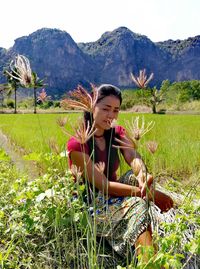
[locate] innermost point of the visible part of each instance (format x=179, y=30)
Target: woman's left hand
x=162, y=200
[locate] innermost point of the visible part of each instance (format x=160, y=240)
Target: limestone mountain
x=55, y=57
x=185, y=56
x=120, y=52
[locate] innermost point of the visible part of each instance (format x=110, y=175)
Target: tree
x=156, y=98
x=12, y=85
x=2, y=89
x=142, y=82
x=36, y=83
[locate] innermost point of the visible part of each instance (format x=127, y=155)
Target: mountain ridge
x=64, y=64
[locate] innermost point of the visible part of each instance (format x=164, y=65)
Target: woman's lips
x=108, y=122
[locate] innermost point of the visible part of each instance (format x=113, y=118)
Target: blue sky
x=87, y=20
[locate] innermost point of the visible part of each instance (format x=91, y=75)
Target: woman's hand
x=145, y=183
x=162, y=200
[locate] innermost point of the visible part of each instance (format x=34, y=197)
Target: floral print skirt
x=122, y=219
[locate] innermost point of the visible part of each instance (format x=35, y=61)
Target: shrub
x=10, y=103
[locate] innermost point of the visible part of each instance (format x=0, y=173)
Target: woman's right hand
x=145, y=183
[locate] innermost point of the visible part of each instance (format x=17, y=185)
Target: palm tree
x=12, y=85
x=36, y=83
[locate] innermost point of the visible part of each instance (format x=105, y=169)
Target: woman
x=122, y=209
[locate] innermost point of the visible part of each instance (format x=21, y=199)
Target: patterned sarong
x=121, y=219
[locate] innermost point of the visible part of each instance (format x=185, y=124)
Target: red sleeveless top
x=74, y=145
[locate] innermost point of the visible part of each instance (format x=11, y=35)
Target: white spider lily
x=134, y=132
x=21, y=70
x=137, y=130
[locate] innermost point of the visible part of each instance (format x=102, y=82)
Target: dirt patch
x=140, y=109
x=22, y=165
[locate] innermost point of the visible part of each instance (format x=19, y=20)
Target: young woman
x=122, y=214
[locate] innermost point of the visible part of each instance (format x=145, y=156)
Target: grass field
x=178, y=138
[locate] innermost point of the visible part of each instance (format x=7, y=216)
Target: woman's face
x=106, y=111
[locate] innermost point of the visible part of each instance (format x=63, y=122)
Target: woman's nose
x=110, y=115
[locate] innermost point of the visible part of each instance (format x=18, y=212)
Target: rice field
x=178, y=138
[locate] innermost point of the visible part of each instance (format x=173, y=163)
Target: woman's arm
x=134, y=160
x=90, y=172
x=130, y=154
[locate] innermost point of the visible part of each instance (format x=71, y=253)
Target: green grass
x=178, y=143
x=32, y=132
x=178, y=137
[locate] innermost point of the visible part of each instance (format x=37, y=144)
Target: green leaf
x=4, y=156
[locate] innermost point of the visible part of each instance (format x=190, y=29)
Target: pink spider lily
x=83, y=132
x=152, y=146
x=42, y=96
x=54, y=146
x=62, y=121
x=142, y=81
x=100, y=166
x=81, y=99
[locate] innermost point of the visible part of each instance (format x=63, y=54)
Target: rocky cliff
x=64, y=64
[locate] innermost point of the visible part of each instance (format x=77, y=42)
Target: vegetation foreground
x=44, y=222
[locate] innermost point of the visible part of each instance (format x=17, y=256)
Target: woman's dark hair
x=106, y=90
x=103, y=91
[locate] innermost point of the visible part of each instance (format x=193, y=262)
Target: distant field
x=178, y=137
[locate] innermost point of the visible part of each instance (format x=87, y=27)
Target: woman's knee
x=145, y=238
